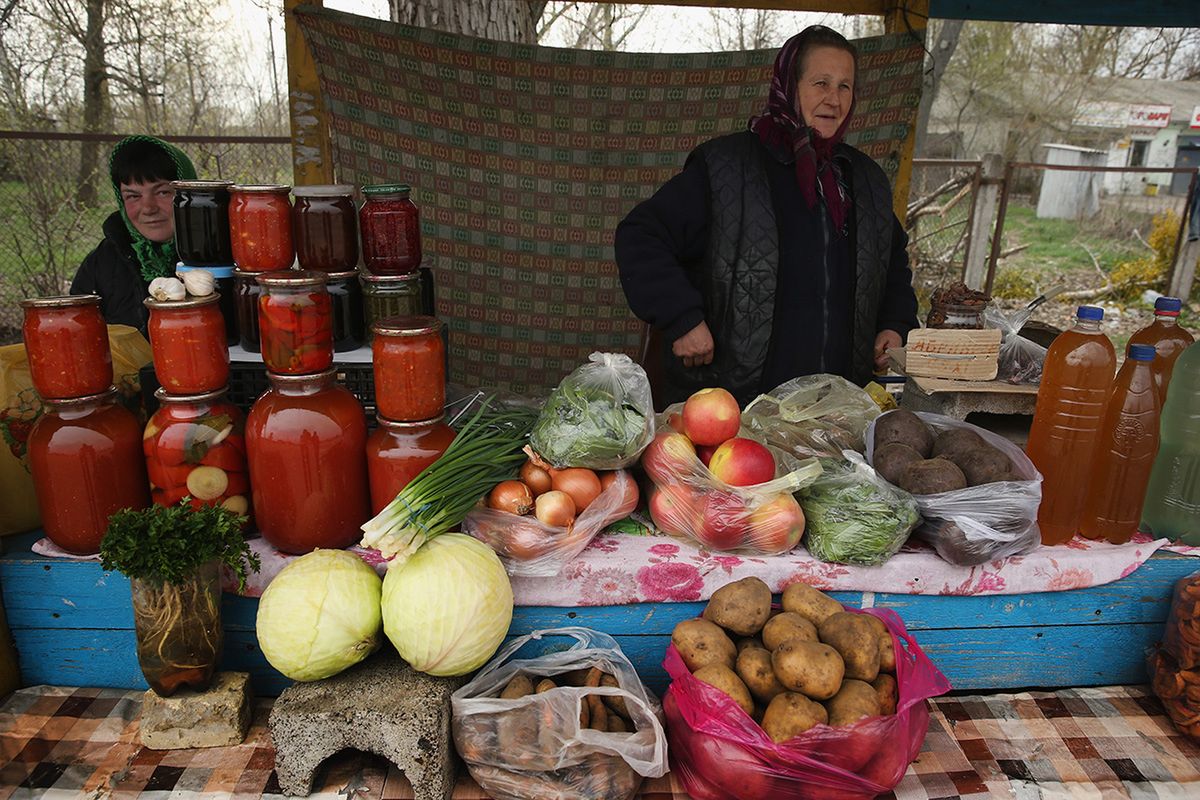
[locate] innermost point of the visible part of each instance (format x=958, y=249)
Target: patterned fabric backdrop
x=523, y=160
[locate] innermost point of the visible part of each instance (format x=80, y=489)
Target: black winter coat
x=112, y=271
x=730, y=241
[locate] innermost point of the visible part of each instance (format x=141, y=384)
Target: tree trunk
x=943, y=51
x=95, y=100
x=502, y=20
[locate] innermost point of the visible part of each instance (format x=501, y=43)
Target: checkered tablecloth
x=1079, y=743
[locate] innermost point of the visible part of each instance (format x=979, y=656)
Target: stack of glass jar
x=85, y=451
x=325, y=229
x=306, y=436
x=393, y=283
x=410, y=394
x=202, y=240
x=260, y=234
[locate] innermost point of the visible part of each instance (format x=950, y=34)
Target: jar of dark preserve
x=306, y=443
x=387, y=296
x=398, y=451
x=391, y=230
x=85, y=455
x=187, y=339
x=223, y=284
x=325, y=228
x=202, y=223
x=295, y=321
x=345, y=295
x=66, y=341
x=245, y=303
x=260, y=227
x=409, y=358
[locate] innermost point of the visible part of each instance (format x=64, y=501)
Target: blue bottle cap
x=1094, y=313
x=1168, y=305
x=1142, y=352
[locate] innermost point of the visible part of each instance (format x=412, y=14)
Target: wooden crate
x=967, y=355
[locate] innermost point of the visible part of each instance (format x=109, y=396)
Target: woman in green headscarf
x=139, y=237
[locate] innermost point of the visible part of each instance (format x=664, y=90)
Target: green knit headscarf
x=157, y=259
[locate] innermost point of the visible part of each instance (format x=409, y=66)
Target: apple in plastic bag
x=724, y=522
x=673, y=509
x=776, y=526
x=710, y=416
x=669, y=455
x=742, y=462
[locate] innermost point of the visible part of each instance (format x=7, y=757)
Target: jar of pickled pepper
x=391, y=230
x=66, y=341
x=409, y=358
x=295, y=322
x=260, y=227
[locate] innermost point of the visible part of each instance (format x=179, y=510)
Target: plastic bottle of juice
x=1125, y=448
x=1077, y=375
x=1172, y=508
x=1167, y=337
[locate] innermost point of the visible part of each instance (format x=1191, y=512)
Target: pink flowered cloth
x=617, y=569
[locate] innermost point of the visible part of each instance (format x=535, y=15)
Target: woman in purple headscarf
x=775, y=252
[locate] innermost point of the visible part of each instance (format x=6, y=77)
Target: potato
x=788, y=625
x=811, y=668
x=984, y=464
x=701, y=643
x=932, y=476
x=518, y=686
x=902, y=425
x=885, y=690
x=791, y=714
x=887, y=653
x=853, y=701
x=615, y=704
x=855, y=640
x=749, y=641
x=741, y=607
x=755, y=670
x=891, y=459
x=953, y=441
x=812, y=604
x=875, y=622
x=722, y=677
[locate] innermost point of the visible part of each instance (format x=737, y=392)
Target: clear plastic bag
x=601, y=416
x=689, y=501
x=720, y=753
x=530, y=549
x=1173, y=664
x=533, y=747
x=980, y=523
x=1021, y=360
x=854, y=516
x=815, y=415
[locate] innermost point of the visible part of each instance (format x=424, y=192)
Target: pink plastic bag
x=720, y=753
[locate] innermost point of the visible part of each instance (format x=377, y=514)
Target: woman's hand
x=884, y=341
x=695, y=348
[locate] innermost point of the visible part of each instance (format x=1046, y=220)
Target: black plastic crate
x=248, y=380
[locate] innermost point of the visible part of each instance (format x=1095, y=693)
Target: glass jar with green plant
x=173, y=558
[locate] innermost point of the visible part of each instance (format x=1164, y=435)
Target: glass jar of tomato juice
x=409, y=358
x=391, y=230
x=85, y=455
x=187, y=338
x=398, y=451
x=305, y=442
x=325, y=227
x=66, y=341
x=295, y=321
x=260, y=227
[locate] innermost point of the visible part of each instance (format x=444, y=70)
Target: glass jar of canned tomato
x=295, y=321
x=325, y=227
x=202, y=223
x=66, y=341
x=398, y=451
x=85, y=455
x=187, y=339
x=409, y=360
x=391, y=230
x=260, y=227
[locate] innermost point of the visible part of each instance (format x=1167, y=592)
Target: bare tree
x=944, y=36
x=591, y=26
x=743, y=29
x=503, y=20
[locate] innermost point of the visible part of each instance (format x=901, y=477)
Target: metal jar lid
x=387, y=190
x=293, y=278
x=397, y=425
x=201, y=186
x=263, y=188
x=73, y=402
x=163, y=396
x=324, y=190
x=342, y=276
x=389, y=280
x=416, y=325
x=62, y=301
x=178, y=305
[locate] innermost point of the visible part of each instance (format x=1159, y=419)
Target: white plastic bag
x=980, y=523
x=1021, y=360
x=814, y=415
x=533, y=747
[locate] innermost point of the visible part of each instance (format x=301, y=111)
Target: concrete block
x=380, y=706
x=218, y=717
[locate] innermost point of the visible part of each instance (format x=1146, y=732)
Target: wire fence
x=47, y=224
x=941, y=206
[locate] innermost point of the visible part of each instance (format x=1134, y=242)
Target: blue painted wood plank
x=1169, y=13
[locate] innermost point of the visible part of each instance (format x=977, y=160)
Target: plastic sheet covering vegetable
x=854, y=516
x=720, y=753
x=600, y=416
x=1173, y=664
x=534, y=746
x=529, y=548
x=815, y=415
x=1021, y=360
x=980, y=523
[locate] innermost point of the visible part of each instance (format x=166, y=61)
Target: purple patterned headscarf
x=782, y=130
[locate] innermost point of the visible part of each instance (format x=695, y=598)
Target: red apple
x=705, y=453
x=669, y=455
x=725, y=521
x=675, y=421
x=742, y=462
x=710, y=416
x=673, y=510
x=776, y=527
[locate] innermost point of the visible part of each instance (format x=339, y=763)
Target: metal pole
x=996, y=235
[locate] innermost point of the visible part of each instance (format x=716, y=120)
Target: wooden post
x=905, y=16
x=975, y=272
x=1183, y=271
x=312, y=150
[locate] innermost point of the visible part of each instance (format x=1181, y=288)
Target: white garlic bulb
x=199, y=282
x=167, y=289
